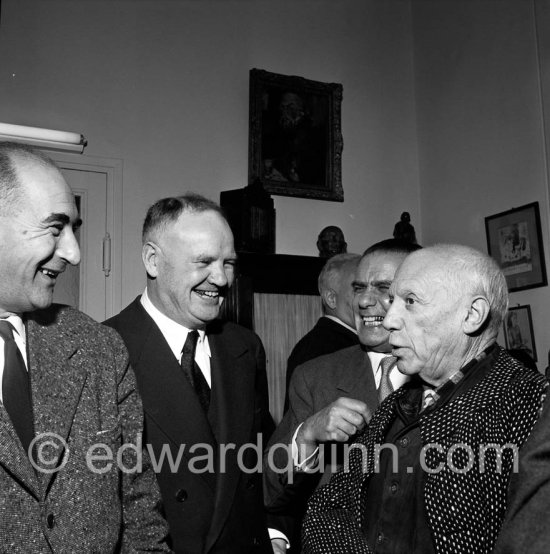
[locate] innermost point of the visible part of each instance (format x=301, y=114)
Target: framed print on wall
x=514, y=240
x=518, y=330
x=295, y=137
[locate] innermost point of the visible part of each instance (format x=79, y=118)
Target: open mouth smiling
x=208, y=294
x=372, y=320
x=51, y=273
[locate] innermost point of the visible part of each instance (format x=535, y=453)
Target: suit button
x=181, y=495
x=50, y=521
x=256, y=541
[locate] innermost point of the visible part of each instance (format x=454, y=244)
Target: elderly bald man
x=442, y=448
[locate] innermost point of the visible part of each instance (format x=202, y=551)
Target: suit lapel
x=232, y=412
x=168, y=398
x=13, y=457
x=358, y=384
x=58, y=374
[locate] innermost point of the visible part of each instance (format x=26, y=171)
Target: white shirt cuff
x=275, y=534
x=309, y=464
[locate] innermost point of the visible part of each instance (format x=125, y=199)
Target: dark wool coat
x=83, y=393
x=465, y=509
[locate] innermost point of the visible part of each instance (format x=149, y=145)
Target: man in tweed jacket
x=62, y=494
x=430, y=472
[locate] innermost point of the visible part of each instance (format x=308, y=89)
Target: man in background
x=203, y=381
x=525, y=526
x=332, y=397
x=69, y=401
x=336, y=328
x=441, y=449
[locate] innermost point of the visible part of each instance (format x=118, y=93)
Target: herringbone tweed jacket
x=83, y=393
x=465, y=508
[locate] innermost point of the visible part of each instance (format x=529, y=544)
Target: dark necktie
x=385, y=386
x=16, y=391
x=193, y=371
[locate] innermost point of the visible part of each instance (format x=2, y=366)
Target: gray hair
x=466, y=265
x=332, y=270
x=10, y=185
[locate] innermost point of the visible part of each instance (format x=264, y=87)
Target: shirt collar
x=18, y=325
x=375, y=359
x=464, y=378
x=174, y=333
x=334, y=318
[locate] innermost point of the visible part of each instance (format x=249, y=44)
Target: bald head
x=448, y=302
x=12, y=156
x=469, y=271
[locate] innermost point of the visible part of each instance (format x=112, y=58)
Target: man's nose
x=366, y=299
x=67, y=247
x=218, y=275
x=390, y=322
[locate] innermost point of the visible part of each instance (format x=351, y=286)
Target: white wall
x=480, y=125
x=163, y=85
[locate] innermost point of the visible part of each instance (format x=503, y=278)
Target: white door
x=94, y=285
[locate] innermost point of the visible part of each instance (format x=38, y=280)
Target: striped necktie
x=385, y=386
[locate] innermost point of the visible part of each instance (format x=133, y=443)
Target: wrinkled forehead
x=422, y=270
x=43, y=186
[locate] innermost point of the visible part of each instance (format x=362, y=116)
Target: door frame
x=113, y=169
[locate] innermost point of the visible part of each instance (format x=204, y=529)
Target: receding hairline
x=14, y=159
x=336, y=265
x=463, y=266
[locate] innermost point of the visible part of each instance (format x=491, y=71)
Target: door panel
x=85, y=286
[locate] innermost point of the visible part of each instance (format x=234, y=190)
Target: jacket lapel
x=58, y=373
x=232, y=412
x=358, y=384
x=13, y=457
x=168, y=398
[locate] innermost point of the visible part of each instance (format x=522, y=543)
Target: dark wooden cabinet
x=271, y=274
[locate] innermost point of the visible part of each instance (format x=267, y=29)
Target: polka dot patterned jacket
x=464, y=508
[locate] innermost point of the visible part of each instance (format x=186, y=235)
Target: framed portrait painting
x=518, y=330
x=295, y=137
x=514, y=240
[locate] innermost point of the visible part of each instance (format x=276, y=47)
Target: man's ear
x=150, y=256
x=329, y=298
x=477, y=315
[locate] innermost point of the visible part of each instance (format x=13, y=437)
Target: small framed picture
x=295, y=137
x=514, y=240
x=518, y=330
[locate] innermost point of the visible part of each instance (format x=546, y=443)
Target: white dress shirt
x=21, y=341
x=176, y=334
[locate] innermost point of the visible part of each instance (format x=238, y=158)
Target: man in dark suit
x=332, y=397
x=206, y=400
x=336, y=328
x=69, y=398
x=430, y=472
x=525, y=526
